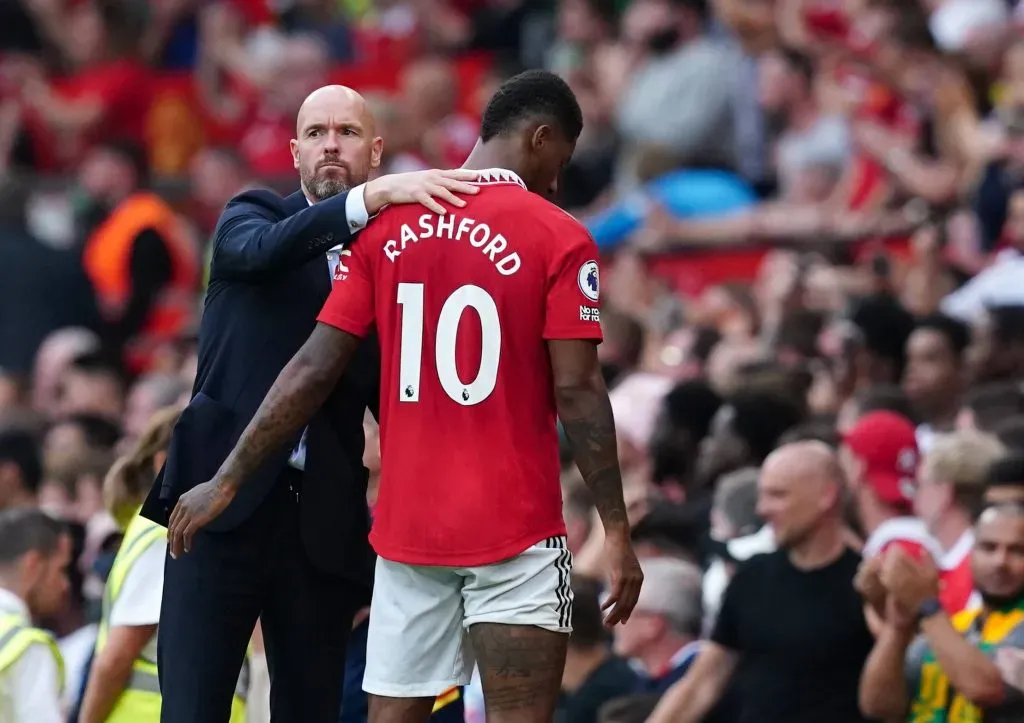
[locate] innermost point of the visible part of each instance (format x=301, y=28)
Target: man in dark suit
x=291, y=551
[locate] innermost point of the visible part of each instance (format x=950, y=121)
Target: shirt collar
x=13, y=605
x=498, y=175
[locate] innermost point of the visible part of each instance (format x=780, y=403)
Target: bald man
x=792, y=616
x=292, y=549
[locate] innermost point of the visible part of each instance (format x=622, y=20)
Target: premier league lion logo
x=588, y=279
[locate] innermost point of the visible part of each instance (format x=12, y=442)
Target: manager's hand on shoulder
x=423, y=187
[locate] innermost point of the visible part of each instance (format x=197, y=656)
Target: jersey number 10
x=410, y=296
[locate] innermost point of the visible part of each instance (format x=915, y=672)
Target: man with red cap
x=879, y=456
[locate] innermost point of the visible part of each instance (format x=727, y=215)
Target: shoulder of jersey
x=558, y=218
x=909, y=533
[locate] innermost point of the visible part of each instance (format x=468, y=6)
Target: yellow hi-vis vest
x=140, y=701
x=17, y=635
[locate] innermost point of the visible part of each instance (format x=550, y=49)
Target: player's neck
x=495, y=153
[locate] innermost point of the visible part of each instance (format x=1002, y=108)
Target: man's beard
x=1001, y=601
x=323, y=188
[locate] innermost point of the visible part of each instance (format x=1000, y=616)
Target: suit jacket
x=269, y=278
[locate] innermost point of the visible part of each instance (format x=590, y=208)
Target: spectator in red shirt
x=951, y=487
x=880, y=456
x=103, y=96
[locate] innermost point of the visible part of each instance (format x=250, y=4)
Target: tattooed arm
x=581, y=399
x=301, y=388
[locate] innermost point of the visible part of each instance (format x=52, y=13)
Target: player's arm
x=572, y=329
x=581, y=398
x=301, y=388
x=690, y=699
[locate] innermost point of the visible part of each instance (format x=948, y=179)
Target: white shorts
x=418, y=643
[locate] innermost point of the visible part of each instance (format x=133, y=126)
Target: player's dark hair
x=588, y=629
x=955, y=332
x=1007, y=471
x=533, y=94
x=884, y=398
x=23, y=529
x=19, y=447
x=1007, y=323
x=761, y=418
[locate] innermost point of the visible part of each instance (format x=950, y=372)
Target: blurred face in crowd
x=429, y=90
x=90, y=393
x=45, y=578
x=52, y=361
x=578, y=23
x=106, y=177
x=215, y=177
x=933, y=372
x=997, y=561
x=650, y=25
x=337, y=146
x=793, y=497
x=300, y=69
x=642, y=629
x=779, y=86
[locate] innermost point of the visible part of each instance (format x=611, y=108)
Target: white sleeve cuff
x=355, y=209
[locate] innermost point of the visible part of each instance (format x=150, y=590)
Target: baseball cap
x=886, y=444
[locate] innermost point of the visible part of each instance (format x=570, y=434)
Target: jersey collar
x=498, y=175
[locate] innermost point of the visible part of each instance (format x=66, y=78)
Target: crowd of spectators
x=813, y=305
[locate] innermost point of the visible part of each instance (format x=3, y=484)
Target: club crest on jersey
x=588, y=280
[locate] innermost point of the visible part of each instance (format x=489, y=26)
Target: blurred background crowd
x=812, y=211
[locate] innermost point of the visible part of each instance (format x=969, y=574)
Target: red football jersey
x=909, y=533
x=956, y=576
x=463, y=304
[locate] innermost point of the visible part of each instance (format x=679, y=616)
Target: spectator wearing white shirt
x=35, y=551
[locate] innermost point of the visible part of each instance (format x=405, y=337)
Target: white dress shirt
x=29, y=689
x=358, y=217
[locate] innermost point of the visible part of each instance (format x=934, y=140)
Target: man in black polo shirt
x=791, y=625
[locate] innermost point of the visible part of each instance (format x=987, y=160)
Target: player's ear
x=293, y=144
x=541, y=135
x=376, y=151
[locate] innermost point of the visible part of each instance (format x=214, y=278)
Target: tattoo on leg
x=520, y=669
